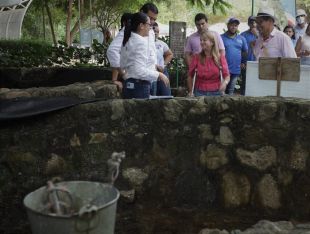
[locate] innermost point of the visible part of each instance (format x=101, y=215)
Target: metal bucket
x=99, y=221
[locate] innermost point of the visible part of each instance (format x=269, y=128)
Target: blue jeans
x=158, y=88
x=199, y=93
x=135, y=88
x=231, y=85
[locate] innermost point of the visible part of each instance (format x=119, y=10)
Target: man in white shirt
x=271, y=42
x=301, y=23
x=114, y=50
x=164, y=56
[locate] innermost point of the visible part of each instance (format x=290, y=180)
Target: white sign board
x=257, y=88
x=88, y=35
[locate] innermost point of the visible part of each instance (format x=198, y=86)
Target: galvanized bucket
x=95, y=202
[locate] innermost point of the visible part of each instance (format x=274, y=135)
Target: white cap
x=300, y=12
x=263, y=12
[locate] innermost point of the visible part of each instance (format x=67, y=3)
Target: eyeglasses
x=150, y=25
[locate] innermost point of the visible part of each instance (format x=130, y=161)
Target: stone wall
x=23, y=78
x=81, y=91
x=227, y=154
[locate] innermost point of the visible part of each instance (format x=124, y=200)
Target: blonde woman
x=207, y=66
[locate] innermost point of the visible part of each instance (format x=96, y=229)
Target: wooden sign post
x=279, y=69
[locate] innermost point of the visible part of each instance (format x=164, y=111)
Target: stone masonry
x=225, y=153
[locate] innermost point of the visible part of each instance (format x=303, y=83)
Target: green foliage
x=221, y=5
x=23, y=53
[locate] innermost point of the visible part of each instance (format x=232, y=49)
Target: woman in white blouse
x=134, y=56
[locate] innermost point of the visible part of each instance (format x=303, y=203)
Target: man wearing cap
x=271, y=42
x=235, y=51
x=250, y=36
x=193, y=41
x=301, y=23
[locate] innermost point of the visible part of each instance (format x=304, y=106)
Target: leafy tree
x=217, y=5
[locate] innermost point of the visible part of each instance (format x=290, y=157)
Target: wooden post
x=279, y=76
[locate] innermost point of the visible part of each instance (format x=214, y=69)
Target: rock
x=3, y=91
x=118, y=110
x=84, y=91
x=298, y=158
x=214, y=157
x=97, y=138
x=267, y=111
x=16, y=94
x=284, y=176
x=268, y=193
x=173, y=110
x=226, y=136
x=75, y=141
x=194, y=188
x=200, y=107
x=128, y=196
x=226, y=120
x=267, y=227
x=135, y=176
x=223, y=106
x=55, y=165
x=261, y=159
x=213, y=231
x=236, y=190
x=205, y=132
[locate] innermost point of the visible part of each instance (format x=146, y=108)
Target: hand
x=254, y=31
x=190, y=94
x=306, y=53
x=223, y=86
x=164, y=78
x=243, y=66
x=118, y=84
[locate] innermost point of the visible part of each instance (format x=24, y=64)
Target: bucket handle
x=83, y=223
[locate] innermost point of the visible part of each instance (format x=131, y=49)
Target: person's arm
x=225, y=74
x=189, y=84
x=115, y=72
x=113, y=54
x=298, y=47
x=188, y=58
x=191, y=73
x=114, y=50
x=220, y=43
x=168, y=55
x=244, y=53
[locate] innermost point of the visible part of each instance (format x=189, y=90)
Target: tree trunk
x=50, y=21
x=76, y=28
x=68, y=24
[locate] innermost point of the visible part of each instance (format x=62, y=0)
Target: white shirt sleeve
x=114, y=49
x=165, y=46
